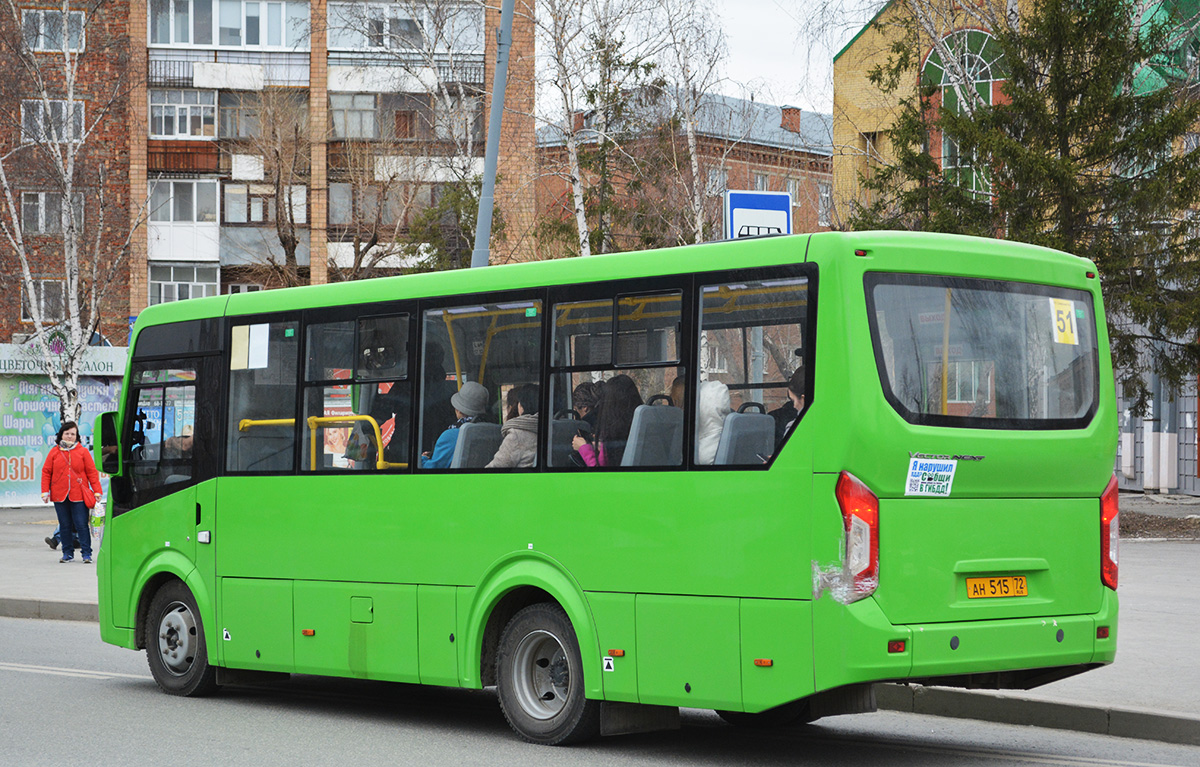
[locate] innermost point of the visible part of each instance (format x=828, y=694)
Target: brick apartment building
x=200, y=194
x=743, y=144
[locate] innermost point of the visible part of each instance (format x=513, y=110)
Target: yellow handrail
x=246, y=423
x=317, y=421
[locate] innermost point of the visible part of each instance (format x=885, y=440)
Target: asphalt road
x=68, y=699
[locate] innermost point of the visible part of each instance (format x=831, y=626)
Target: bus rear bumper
x=1018, y=653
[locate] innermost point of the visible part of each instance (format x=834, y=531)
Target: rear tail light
x=1110, y=534
x=860, y=516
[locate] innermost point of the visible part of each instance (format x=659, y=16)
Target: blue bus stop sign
x=751, y=214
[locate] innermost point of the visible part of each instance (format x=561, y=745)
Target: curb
x=48, y=609
x=1121, y=722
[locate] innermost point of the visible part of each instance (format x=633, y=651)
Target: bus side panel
x=364, y=630
x=437, y=620
x=256, y=624
x=167, y=525
x=779, y=631
x=689, y=651
x=614, y=615
x=849, y=641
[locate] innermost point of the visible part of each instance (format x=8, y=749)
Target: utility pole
x=483, y=218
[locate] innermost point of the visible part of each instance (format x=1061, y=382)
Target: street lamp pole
x=483, y=217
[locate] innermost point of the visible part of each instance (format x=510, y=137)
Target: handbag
x=85, y=488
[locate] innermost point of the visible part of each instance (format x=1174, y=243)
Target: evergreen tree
x=1088, y=148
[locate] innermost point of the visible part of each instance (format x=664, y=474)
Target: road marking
x=75, y=672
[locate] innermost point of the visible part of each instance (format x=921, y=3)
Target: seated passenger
x=469, y=403
x=711, y=409
x=585, y=399
x=677, y=392
x=786, y=413
x=619, y=398
x=518, y=448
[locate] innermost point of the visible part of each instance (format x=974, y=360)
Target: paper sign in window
x=248, y=347
x=1062, y=315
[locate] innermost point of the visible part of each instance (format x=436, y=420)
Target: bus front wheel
x=539, y=679
x=175, y=649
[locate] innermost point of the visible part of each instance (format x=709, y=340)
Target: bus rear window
x=984, y=353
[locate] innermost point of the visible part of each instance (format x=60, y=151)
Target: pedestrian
x=52, y=540
x=70, y=479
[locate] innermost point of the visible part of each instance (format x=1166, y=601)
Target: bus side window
x=162, y=432
x=474, y=357
x=638, y=420
x=750, y=375
x=262, y=397
x=357, y=396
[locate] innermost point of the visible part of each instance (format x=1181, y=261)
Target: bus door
x=168, y=432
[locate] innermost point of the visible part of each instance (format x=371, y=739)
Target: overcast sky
x=772, y=53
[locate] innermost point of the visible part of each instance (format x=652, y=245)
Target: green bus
x=736, y=481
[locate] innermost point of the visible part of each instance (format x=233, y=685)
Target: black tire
x=175, y=648
x=796, y=712
x=539, y=679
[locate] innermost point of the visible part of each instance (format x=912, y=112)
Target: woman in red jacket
x=67, y=476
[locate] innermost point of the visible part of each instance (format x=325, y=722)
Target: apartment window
x=183, y=114
x=717, y=181
x=370, y=205
x=41, y=212
x=454, y=122
x=43, y=30
x=42, y=122
x=238, y=114
x=793, y=190
x=183, y=202
x=240, y=287
x=353, y=115
x=824, y=203
x=255, y=203
x=176, y=282
x=238, y=23
x=444, y=26
x=761, y=182
x=49, y=295
x=405, y=119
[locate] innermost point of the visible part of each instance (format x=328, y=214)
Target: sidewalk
x=1152, y=691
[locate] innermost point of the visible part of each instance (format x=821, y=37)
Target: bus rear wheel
x=539, y=679
x=175, y=649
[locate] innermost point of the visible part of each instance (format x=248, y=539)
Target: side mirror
x=108, y=447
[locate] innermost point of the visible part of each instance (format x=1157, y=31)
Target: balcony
x=176, y=68
x=467, y=69
x=182, y=157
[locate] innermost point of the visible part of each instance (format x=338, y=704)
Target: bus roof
x=720, y=255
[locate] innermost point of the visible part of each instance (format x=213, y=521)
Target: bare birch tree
x=692, y=66
x=76, y=226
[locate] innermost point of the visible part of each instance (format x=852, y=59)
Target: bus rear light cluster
x=1110, y=534
x=860, y=518
x=1102, y=632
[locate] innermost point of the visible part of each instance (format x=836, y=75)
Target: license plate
x=1004, y=586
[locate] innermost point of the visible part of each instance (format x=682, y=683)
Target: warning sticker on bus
x=930, y=476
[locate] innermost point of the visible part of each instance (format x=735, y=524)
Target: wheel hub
x=177, y=638
x=541, y=675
